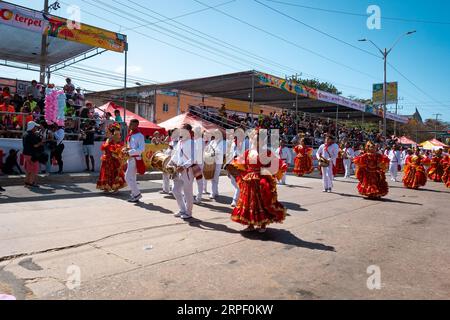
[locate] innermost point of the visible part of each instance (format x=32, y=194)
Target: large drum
x=209, y=166
x=160, y=161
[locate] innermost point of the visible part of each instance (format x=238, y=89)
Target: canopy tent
x=406, y=141
x=23, y=31
x=433, y=145
x=146, y=127
x=187, y=118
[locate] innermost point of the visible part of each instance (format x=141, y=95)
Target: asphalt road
x=71, y=242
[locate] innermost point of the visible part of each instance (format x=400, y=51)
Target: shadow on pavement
x=205, y=225
x=293, y=206
x=152, y=207
x=287, y=238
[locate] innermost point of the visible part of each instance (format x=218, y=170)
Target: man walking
x=183, y=160
x=348, y=156
x=216, y=145
x=328, y=152
x=135, y=148
x=395, y=159
x=88, y=138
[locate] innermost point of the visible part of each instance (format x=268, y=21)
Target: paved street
x=323, y=250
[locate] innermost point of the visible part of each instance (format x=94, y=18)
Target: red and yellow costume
x=112, y=175
x=446, y=165
x=303, y=163
x=415, y=175
x=436, y=169
x=258, y=200
x=339, y=167
x=371, y=172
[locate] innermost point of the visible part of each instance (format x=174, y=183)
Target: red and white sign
x=333, y=98
x=19, y=17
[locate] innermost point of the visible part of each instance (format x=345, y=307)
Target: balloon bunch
x=55, y=104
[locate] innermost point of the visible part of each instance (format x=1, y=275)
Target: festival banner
x=85, y=34
x=345, y=102
x=22, y=18
x=392, y=93
x=287, y=85
x=396, y=117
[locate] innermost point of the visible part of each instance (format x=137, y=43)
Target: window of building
x=165, y=107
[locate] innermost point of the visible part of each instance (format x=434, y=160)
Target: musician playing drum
x=183, y=160
x=327, y=155
x=215, y=151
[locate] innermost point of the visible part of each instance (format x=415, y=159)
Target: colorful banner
x=286, y=85
x=61, y=28
x=22, y=18
x=333, y=98
x=378, y=93
x=85, y=34
x=396, y=117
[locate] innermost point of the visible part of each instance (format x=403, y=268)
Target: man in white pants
x=183, y=159
x=329, y=151
x=349, y=155
x=284, y=154
x=166, y=176
x=234, y=152
x=216, y=145
x=395, y=160
x=199, y=146
x=135, y=148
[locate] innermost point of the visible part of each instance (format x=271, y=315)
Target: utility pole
x=43, y=49
x=436, y=123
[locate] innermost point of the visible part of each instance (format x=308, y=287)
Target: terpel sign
x=21, y=18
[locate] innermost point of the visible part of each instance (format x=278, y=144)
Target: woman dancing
x=303, y=163
x=436, y=170
x=415, y=175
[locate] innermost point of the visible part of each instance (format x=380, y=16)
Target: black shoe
x=1, y=189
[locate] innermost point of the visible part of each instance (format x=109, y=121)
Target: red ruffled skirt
x=258, y=201
x=446, y=176
x=435, y=172
x=339, y=167
x=415, y=176
x=112, y=175
x=372, y=184
x=303, y=165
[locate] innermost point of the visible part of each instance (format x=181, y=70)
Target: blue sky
x=423, y=58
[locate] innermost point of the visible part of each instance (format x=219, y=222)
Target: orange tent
x=146, y=127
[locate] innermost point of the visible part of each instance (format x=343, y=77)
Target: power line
x=316, y=29
x=358, y=14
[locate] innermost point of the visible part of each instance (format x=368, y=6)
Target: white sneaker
x=233, y=204
x=186, y=216
x=178, y=214
x=197, y=201
x=213, y=196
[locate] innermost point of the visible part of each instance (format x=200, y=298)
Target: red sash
x=140, y=164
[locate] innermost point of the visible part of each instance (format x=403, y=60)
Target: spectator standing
x=69, y=88
x=78, y=99
x=6, y=92
x=88, y=138
x=117, y=116
x=32, y=144
x=58, y=133
x=34, y=91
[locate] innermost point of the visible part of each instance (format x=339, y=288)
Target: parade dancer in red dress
x=436, y=170
x=371, y=172
x=258, y=204
x=303, y=163
x=415, y=174
x=112, y=175
x=446, y=165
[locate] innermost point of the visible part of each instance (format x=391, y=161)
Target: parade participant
x=445, y=162
x=199, y=147
x=370, y=171
x=348, y=155
x=215, y=147
x=134, y=149
x=258, y=204
x=183, y=160
x=436, y=170
x=112, y=175
x=394, y=163
x=415, y=175
x=327, y=155
x=303, y=163
x=284, y=154
x=166, y=176
x=403, y=156
x=339, y=168
x=237, y=150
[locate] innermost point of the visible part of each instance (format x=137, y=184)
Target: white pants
x=183, y=191
x=327, y=177
x=166, y=182
x=283, y=179
x=130, y=177
x=348, y=168
x=237, y=191
x=200, y=186
x=393, y=170
x=215, y=180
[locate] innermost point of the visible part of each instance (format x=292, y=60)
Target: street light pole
x=385, y=54
x=44, y=49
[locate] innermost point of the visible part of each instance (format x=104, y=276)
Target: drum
x=209, y=166
x=160, y=162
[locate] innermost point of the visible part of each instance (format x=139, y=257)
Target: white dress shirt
x=394, y=156
x=331, y=155
x=183, y=154
x=285, y=154
x=136, y=145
